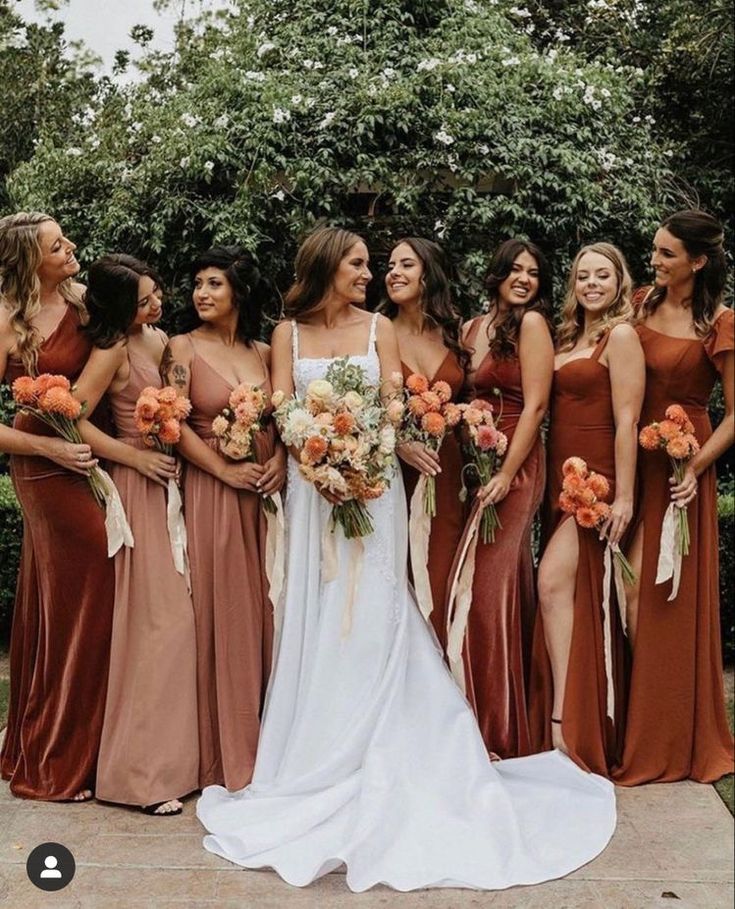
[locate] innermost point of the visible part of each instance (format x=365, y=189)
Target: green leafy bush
x=11, y=534
x=726, y=519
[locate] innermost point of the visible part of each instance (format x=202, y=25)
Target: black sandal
x=153, y=809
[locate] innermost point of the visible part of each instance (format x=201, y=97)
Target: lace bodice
x=307, y=369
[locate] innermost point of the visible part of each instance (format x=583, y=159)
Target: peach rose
x=576, y=466
x=434, y=424
x=443, y=390
x=417, y=384
x=649, y=437
x=395, y=411
x=25, y=390
x=324, y=419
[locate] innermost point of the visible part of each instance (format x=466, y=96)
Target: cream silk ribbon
x=177, y=531
x=669, y=553
x=275, y=556
x=419, y=532
x=461, y=591
x=613, y=572
x=116, y=523
x=330, y=568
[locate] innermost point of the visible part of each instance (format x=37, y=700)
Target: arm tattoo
x=179, y=374
x=167, y=359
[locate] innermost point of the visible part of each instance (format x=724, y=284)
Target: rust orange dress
x=448, y=522
x=60, y=642
x=582, y=425
x=676, y=726
x=497, y=652
x=226, y=531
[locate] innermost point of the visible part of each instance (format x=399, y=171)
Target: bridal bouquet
x=485, y=449
x=236, y=426
x=347, y=439
x=675, y=435
x=158, y=416
x=429, y=413
x=49, y=398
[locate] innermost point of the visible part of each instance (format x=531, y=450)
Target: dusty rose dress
x=234, y=619
x=676, y=724
x=502, y=615
x=448, y=523
x=149, y=750
x=582, y=425
x=60, y=642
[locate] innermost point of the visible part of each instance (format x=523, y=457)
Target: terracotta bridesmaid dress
x=676, y=723
x=448, y=522
x=149, y=751
x=234, y=618
x=60, y=642
x=497, y=653
x=582, y=425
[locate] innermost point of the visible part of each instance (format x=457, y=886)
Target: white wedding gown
x=369, y=755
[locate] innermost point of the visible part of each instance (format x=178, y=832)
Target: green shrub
x=11, y=534
x=726, y=519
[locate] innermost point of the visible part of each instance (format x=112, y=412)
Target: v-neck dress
x=226, y=529
x=149, y=750
x=676, y=724
x=448, y=522
x=60, y=642
x=582, y=425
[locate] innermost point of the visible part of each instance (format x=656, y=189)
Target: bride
x=369, y=756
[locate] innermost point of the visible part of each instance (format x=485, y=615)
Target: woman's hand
x=242, y=475
x=155, y=465
x=70, y=455
x=621, y=511
x=494, y=491
x=420, y=457
x=274, y=473
x=683, y=493
x=334, y=498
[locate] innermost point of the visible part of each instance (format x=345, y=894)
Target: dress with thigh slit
x=582, y=425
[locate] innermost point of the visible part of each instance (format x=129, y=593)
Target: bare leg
x=632, y=594
x=557, y=579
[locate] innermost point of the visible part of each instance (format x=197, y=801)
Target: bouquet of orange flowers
x=49, y=398
x=235, y=427
x=485, y=449
x=347, y=440
x=583, y=495
x=429, y=413
x=158, y=416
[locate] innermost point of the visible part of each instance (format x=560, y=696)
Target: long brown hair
x=504, y=343
x=316, y=263
x=702, y=235
x=20, y=287
x=619, y=310
x=437, y=303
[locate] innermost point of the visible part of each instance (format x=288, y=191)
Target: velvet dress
x=448, y=522
x=499, y=634
x=582, y=425
x=149, y=751
x=226, y=529
x=676, y=725
x=60, y=641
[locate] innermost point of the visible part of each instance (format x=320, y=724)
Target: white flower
x=444, y=137
x=519, y=11
x=428, y=64
x=561, y=36
x=296, y=100
x=297, y=424
x=208, y=166
x=190, y=120
x=94, y=142
x=389, y=73
x=353, y=72
x=387, y=440
x=254, y=75
x=279, y=194
x=511, y=61
x=558, y=93
x=605, y=93
x=156, y=140
x=450, y=88
x=636, y=120
x=221, y=122
x=332, y=30
x=606, y=158
x=552, y=53
x=483, y=149
x=136, y=126
x=281, y=115
x=185, y=162
x=74, y=152
x=265, y=48
x=440, y=229
x=313, y=64
x=327, y=119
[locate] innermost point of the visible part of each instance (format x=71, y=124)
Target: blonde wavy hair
x=620, y=310
x=20, y=287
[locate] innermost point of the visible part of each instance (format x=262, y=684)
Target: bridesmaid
x=598, y=388
x=676, y=724
x=149, y=752
x=427, y=327
x=224, y=518
x=511, y=367
x=59, y=649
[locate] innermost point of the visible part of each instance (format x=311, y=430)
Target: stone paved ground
x=673, y=847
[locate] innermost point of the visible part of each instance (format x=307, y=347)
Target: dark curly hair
x=111, y=297
x=437, y=299
x=702, y=235
x=504, y=344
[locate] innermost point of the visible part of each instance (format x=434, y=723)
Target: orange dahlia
x=59, y=400
x=649, y=437
x=599, y=485
x=314, y=449
x=417, y=384
x=344, y=423
x=25, y=390
x=434, y=424
x=576, y=466
x=443, y=390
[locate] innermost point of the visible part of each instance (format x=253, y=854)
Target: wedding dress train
x=369, y=755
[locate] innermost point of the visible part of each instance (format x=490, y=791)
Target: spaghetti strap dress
x=582, y=425
x=149, y=750
x=676, y=725
x=448, y=522
x=497, y=652
x=60, y=641
x=226, y=529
